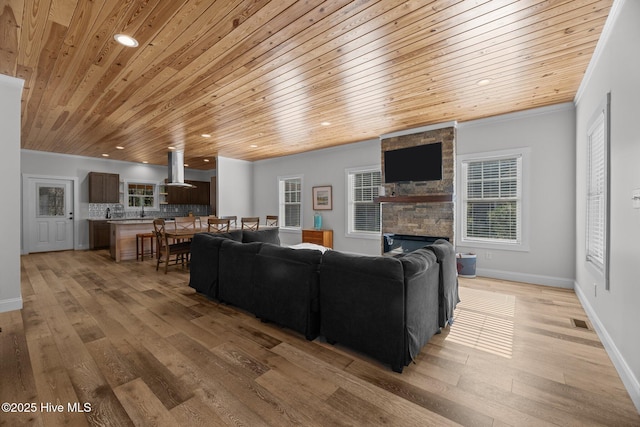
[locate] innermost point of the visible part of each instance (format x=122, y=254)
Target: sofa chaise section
x=372, y=305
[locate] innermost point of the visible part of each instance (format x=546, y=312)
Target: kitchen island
x=123, y=237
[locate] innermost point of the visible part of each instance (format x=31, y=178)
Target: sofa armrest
x=203, y=269
x=422, y=279
x=446, y=254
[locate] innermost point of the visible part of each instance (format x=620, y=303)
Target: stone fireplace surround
x=421, y=208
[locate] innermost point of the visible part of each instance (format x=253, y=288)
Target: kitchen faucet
x=142, y=212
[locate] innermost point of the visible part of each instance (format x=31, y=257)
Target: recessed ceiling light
x=325, y=123
x=253, y=146
x=119, y=147
x=483, y=82
x=186, y=165
x=105, y=155
x=205, y=135
x=126, y=40
x=171, y=148
x=144, y=162
x=206, y=160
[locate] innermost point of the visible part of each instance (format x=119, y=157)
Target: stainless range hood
x=176, y=169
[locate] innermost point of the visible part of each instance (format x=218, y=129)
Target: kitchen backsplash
x=99, y=211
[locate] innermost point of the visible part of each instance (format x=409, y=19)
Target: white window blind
x=363, y=212
x=291, y=202
x=597, y=191
x=493, y=200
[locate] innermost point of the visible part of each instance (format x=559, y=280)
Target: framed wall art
x=322, y=198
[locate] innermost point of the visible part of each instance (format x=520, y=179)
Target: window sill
x=367, y=236
x=515, y=247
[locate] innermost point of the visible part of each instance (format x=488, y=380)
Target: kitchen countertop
x=132, y=220
x=127, y=221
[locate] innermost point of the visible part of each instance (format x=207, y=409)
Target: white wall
x=615, y=313
x=51, y=165
x=317, y=168
x=550, y=135
x=235, y=191
x=10, y=95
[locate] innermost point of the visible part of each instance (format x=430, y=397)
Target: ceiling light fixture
x=125, y=40
x=253, y=146
x=144, y=162
x=105, y=155
x=325, y=123
x=205, y=135
x=483, y=82
x=119, y=147
x=171, y=148
x=206, y=160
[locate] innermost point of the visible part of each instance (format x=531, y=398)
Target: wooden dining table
x=183, y=234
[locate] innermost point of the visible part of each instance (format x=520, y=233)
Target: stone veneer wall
x=422, y=219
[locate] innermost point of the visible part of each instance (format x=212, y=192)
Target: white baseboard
x=10, y=304
x=630, y=382
x=536, y=279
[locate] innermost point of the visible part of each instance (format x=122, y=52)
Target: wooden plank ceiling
x=261, y=77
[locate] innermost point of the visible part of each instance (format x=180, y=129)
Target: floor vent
x=577, y=323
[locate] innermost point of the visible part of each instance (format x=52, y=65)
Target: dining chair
x=204, y=221
x=250, y=223
x=166, y=250
x=218, y=225
x=272, y=221
x=187, y=223
x=233, y=219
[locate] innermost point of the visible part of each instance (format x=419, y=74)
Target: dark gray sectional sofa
x=385, y=307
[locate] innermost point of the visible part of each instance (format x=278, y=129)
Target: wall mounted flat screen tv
x=419, y=163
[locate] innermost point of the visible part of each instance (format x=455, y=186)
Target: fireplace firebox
x=403, y=243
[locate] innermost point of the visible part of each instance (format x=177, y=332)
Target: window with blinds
x=291, y=202
x=597, y=191
x=492, y=199
x=363, y=212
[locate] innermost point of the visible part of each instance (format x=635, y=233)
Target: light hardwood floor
x=141, y=348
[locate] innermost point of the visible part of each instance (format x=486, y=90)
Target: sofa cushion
x=233, y=235
x=286, y=287
x=237, y=261
x=268, y=235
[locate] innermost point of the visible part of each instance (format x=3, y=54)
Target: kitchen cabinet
x=318, y=237
x=99, y=234
x=104, y=187
x=197, y=195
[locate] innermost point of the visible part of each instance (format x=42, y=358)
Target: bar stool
x=140, y=237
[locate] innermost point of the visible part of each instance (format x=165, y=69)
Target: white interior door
x=51, y=215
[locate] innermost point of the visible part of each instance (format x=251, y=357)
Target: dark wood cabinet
x=99, y=234
x=104, y=187
x=197, y=195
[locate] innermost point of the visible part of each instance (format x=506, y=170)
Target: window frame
x=281, y=202
x=599, y=266
x=350, y=203
x=522, y=242
x=156, y=194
